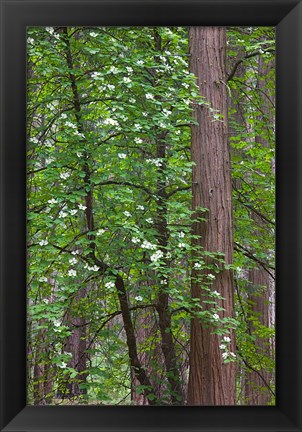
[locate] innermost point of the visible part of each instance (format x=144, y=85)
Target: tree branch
x=249, y=254
x=238, y=62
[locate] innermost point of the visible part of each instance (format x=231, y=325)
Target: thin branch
x=255, y=370
x=249, y=254
x=238, y=62
x=112, y=182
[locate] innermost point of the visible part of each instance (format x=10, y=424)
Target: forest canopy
x=151, y=215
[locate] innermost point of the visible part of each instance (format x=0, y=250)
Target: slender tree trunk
x=146, y=328
x=76, y=345
x=211, y=381
x=256, y=390
x=164, y=314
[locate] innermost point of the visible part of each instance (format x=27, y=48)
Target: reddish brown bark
x=76, y=345
x=211, y=382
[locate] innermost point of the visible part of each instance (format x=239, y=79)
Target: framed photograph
x=150, y=215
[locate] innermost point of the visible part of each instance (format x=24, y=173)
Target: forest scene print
x=151, y=216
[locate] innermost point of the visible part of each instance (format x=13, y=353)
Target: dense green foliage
x=109, y=115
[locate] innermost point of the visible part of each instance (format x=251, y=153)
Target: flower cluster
x=92, y=268
x=113, y=70
x=43, y=279
x=157, y=256
x=157, y=162
x=71, y=125
x=226, y=355
x=52, y=201
x=100, y=232
x=147, y=245
x=34, y=140
x=63, y=214
x=110, y=121
x=64, y=175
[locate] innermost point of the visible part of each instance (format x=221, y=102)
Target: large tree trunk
x=211, y=381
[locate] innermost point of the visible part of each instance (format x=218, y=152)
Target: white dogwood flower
x=43, y=279
x=52, y=201
x=100, y=232
x=64, y=175
x=155, y=257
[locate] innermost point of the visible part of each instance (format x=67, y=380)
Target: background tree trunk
x=256, y=390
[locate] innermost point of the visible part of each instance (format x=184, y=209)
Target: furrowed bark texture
x=211, y=382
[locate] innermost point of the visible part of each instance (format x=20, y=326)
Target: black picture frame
x=16, y=15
